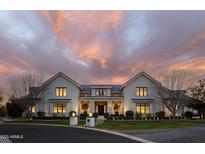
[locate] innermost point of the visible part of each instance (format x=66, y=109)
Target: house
x=61, y=95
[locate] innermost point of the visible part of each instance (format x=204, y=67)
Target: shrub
x=121, y=116
x=95, y=114
x=148, y=115
x=117, y=113
x=14, y=110
x=41, y=114
x=160, y=114
x=188, y=114
x=129, y=114
x=83, y=115
x=51, y=118
x=109, y=117
x=3, y=111
x=138, y=115
x=106, y=115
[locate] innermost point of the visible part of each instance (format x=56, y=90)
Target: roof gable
x=137, y=76
x=64, y=76
x=53, y=78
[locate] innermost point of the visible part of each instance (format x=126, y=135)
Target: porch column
x=51, y=109
x=68, y=108
x=92, y=106
x=134, y=107
x=109, y=110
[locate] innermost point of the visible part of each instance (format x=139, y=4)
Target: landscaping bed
x=38, y=121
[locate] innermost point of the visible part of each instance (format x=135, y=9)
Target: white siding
x=72, y=93
x=129, y=93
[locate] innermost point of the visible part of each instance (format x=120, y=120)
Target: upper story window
x=61, y=91
x=101, y=92
x=141, y=91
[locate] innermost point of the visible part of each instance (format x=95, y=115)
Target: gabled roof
x=53, y=78
x=64, y=76
x=137, y=76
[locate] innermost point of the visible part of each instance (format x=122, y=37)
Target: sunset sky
x=100, y=46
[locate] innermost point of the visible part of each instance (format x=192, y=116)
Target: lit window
x=59, y=108
x=61, y=91
x=143, y=108
x=100, y=92
x=141, y=91
x=33, y=109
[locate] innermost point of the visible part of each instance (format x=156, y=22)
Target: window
x=143, y=108
x=33, y=109
x=100, y=92
x=59, y=108
x=141, y=91
x=61, y=91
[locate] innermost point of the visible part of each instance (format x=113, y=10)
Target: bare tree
x=172, y=92
x=20, y=85
x=197, y=91
x=20, y=88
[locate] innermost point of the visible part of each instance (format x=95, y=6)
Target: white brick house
x=61, y=94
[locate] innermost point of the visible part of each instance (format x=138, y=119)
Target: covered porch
x=101, y=106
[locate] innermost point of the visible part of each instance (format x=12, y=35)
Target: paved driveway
x=179, y=135
x=56, y=134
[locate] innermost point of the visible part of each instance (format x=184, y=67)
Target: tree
x=1, y=97
x=116, y=108
x=20, y=85
x=197, y=91
x=172, y=92
x=85, y=106
x=20, y=88
x=14, y=108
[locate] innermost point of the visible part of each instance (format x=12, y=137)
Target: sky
x=100, y=47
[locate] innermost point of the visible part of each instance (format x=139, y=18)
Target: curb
x=120, y=134
x=138, y=139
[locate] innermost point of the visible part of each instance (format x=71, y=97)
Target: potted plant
x=116, y=108
x=85, y=106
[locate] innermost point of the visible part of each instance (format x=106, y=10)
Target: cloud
x=100, y=46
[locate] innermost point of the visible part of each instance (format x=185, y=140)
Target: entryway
x=101, y=107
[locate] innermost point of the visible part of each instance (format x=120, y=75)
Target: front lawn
x=125, y=125
x=148, y=125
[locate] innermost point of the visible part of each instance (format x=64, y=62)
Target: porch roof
x=142, y=100
x=101, y=98
x=58, y=100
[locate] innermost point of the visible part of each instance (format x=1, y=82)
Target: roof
x=113, y=87
x=137, y=76
x=53, y=78
x=63, y=75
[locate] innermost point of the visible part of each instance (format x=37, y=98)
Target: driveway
x=57, y=134
x=179, y=135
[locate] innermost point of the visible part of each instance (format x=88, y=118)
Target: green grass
x=125, y=125
x=56, y=122
x=148, y=125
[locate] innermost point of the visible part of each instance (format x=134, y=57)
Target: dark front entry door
x=100, y=109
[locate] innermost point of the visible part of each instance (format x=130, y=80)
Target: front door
x=100, y=109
